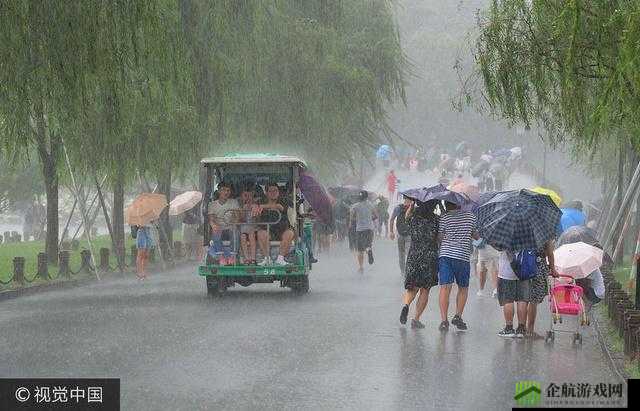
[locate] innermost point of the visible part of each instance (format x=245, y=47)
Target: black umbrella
x=518, y=220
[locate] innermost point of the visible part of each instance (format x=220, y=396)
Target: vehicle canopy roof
x=255, y=158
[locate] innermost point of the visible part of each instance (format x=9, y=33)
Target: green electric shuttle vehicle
x=238, y=170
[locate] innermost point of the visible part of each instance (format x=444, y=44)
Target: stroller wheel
x=550, y=337
x=577, y=338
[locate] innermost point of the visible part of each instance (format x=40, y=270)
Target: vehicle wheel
x=213, y=288
x=550, y=337
x=301, y=287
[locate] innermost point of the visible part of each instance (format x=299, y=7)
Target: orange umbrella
x=472, y=191
x=145, y=208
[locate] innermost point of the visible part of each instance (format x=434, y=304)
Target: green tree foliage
x=571, y=65
x=149, y=87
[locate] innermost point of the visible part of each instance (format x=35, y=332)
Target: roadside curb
x=72, y=283
x=58, y=285
x=616, y=362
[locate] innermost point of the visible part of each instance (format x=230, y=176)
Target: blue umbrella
x=571, y=217
x=518, y=220
x=383, y=151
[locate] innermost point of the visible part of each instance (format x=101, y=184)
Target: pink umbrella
x=577, y=259
x=472, y=191
x=184, y=202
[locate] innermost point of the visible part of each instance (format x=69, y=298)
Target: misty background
x=436, y=36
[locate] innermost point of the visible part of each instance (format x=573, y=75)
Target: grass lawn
x=30, y=249
x=622, y=275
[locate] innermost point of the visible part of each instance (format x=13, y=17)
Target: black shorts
x=510, y=291
x=364, y=240
x=275, y=232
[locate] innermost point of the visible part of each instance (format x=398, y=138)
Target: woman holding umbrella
x=422, y=259
x=145, y=208
x=144, y=243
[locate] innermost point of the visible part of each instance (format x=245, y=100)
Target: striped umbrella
x=518, y=220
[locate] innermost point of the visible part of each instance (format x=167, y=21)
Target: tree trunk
x=51, y=186
x=118, y=217
x=166, y=231
x=48, y=146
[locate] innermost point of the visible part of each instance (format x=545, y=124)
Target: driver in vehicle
x=219, y=219
x=273, y=208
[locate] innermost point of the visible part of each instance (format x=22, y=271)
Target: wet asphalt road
x=338, y=347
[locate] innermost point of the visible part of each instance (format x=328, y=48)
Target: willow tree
x=136, y=96
x=309, y=77
x=37, y=91
x=572, y=65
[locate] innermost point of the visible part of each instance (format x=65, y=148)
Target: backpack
x=134, y=231
x=525, y=264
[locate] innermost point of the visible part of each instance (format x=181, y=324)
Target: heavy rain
x=319, y=204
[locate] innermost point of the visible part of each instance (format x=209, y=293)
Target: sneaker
x=520, y=331
x=265, y=261
x=457, y=321
x=494, y=294
x=507, y=332
x=313, y=260
x=370, y=255
x=480, y=293
x=444, y=326
x=360, y=270
x=403, y=314
x=416, y=324
x=280, y=261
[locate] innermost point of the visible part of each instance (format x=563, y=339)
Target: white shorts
x=490, y=265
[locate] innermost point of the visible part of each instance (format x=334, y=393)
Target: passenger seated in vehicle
x=248, y=231
x=273, y=208
x=219, y=219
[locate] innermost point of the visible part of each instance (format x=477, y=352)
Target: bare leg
x=252, y=246
x=522, y=313
x=139, y=263
x=445, y=291
x=245, y=246
x=482, y=274
x=263, y=242
x=360, y=257
x=409, y=295
x=494, y=279
x=461, y=299
x=285, y=242
x=507, y=310
x=532, y=311
x=423, y=299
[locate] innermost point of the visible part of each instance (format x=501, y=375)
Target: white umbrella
x=184, y=202
x=577, y=259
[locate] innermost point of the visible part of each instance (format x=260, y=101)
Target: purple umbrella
x=317, y=197
x=456, y=198
x=422, y=194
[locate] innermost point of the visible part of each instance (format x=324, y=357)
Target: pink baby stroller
x=565, y=299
